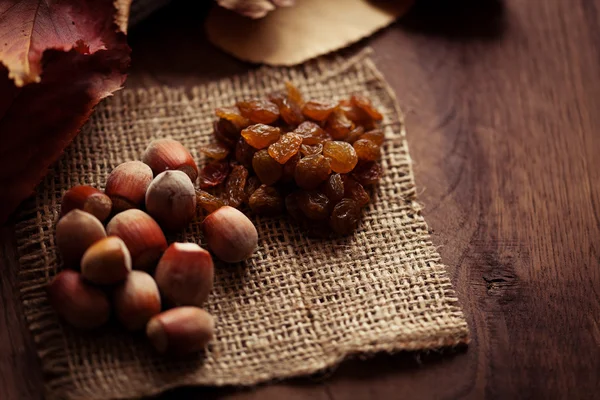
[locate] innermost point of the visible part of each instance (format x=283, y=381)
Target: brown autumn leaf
x=58, y=59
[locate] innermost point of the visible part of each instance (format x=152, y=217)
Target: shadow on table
x=355, y=369
x=457, y=19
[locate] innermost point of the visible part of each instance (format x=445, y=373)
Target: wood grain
x=502, y=101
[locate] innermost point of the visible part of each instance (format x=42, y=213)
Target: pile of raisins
x=313, y=159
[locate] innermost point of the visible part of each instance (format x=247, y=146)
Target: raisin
x=355, y=191
x=233, y=115
x=292, y=207
x=352, y=112
x=289, y=168
x=364, y=104
x=367, y=173
x=318, y=110
x=367, y=150
x=285, y=148
x=259, y=111
x=266, y=168
x=315, y=205
x=344, y=217
x=225, y=132
x=333, y=188
x=207, y=201
x=376, y=136
x=217, y=151
x=260, y=136
x=244, y=153
x=308, y=150
x=311, y=133
x=311, y=171
x=213, y=174
x=290, y=112
x=266, y=200
x=342, y=156
x=355, y=134
x=294, y=94
x=252, y=184
x=338, y=125
x=234, y=187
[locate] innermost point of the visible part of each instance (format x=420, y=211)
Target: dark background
x=502, y=104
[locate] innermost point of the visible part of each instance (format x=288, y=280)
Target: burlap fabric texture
x=298, y=306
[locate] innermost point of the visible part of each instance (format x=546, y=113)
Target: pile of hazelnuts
x=128, y=267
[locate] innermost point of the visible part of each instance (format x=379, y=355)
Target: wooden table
x=502, y=101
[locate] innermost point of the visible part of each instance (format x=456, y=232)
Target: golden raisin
x=367, y=150
x=311, y=133
x=315, y=205
x=235, y=185
x=213, y=174
x=207, y=201
x=252, y=184
x=233, y=115
x=364, y=104
x=344, y=217
x=285, y=148
x=338, y=125
x=217, y=151
x=266, y=168
x=290, y=111
x=355, y=134
x=259, y=111
x=318, y=110
x=308, y=150
x=311, y=171
x=333, y=188
x=266, y=200
x=367, y=173
x=376, y=136
x=244, y=153
x=341, y=155
x=260, y=136
x=355, y=191
x=294, y=94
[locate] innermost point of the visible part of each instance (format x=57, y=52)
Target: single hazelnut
x=88, y=199
x=230, y=235
x=136, y=300
x=171, y=200
x=142, y=236
x=184, y=274
x=181, y=330
x=81, y=305
x=106, y=262
x=126, y=185
x=75, y=232
x=169, y=154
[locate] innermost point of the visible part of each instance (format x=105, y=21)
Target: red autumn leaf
x=60, y=58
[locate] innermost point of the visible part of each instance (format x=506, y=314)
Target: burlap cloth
x=298, y=306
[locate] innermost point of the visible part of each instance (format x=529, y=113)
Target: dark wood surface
x=502, y=103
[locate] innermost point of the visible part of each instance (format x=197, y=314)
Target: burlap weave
x=298, y=306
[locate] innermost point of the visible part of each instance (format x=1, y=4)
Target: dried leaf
x=289, y=36
x=59, y=60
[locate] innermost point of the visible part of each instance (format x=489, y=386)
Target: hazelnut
x=181, y=330
x=126, y=185
x=88, y=199
x=142, y=236
x=169, y=154
x=106, y=262
x=136, y=300
x=75, y=232
x=171, y=200
x=81, y=305
x=230, y=235
x=185, y=274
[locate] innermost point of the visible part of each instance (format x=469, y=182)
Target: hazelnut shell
x=181, y=330
x=136, y=300
x=75, y=233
